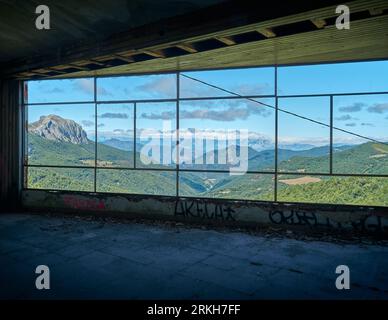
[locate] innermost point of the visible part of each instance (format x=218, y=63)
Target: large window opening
x=305, y=134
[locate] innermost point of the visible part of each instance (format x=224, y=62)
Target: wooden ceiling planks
x=321, y=43
x=362, y=41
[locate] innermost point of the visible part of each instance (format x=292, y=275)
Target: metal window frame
x=275, y=172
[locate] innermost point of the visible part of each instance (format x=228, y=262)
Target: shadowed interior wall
x=10, y=144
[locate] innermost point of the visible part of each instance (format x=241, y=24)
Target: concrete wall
x=338, y=218
x=10, y=144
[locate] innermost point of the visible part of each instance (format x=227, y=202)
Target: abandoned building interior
x=194, y=149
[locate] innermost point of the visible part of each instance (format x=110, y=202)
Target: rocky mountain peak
x=53, y=127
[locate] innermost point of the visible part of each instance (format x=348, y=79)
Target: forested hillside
x=47, y=149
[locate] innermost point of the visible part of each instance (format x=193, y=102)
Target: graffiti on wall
x=359, y=221
x=370, y=223
x=199, y=209
x=76, y=202
x=300, y=218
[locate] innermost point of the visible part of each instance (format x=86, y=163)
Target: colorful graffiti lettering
x=76, y=202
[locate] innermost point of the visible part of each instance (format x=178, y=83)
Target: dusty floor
x=106, y=260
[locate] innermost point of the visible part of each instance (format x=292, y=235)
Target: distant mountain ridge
x=125, y=145
x=56, y=128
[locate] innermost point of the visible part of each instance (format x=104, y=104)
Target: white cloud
x=161, y=86
x=230, y=110
x=355, y=107
x=87, y=123
x=379, y=108
x=87, y=86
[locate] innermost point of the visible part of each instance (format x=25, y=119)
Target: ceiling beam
x=35, y=73
x=319, y=23
x=99, y=63
x=76, y=66
x=267, y=32
x=187, y=47
x=376, y=11
x=55, y=70
x=155, y=53
x=122, y=58
x=226, y=40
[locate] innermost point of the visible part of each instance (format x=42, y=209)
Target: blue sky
x=362, y=114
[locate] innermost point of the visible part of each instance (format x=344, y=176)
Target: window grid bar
x=331, y=136
x=326, y=174
x=177, y=132
x=95, y=133
x=276, y=135
x=209, y=98
x=24, y=137
x=363, y=93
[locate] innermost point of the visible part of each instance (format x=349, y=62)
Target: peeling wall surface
x=357, y=219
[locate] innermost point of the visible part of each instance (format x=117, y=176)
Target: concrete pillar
x=10, y=144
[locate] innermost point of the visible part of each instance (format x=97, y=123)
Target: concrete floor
x=102, y=260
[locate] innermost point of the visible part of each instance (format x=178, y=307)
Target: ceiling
x=366, y=40
x=139, y=36
x=76, y=21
